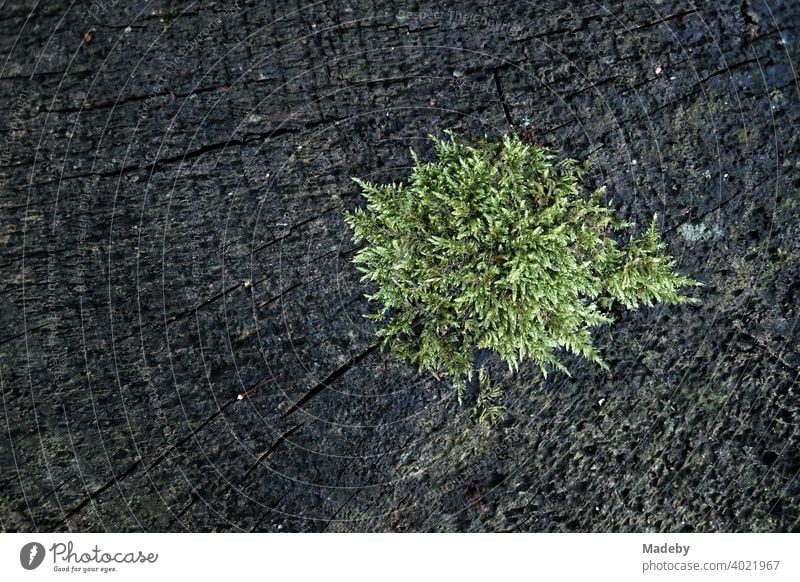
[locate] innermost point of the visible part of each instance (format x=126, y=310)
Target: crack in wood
x=665, y=19
x=263, y=456
x=506, y=109
x=157, y=461
x=131, y=99
x=24, y=333
x=97, y=492
x=289, y=289
x=187, y=312
x=330, y=379
x=295, y=226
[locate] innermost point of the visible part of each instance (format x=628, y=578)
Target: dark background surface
x=172, y=236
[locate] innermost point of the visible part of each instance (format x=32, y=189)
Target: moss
x=496, y=246
x=165, y=18
x=699, y=232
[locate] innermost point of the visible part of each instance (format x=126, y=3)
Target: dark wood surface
x=173, y=180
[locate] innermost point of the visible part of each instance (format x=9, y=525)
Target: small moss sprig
x=488, y=409
x=495, y=246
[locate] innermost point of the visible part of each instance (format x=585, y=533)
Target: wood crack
x=330, y=379
x=263, y=456
x=666, y=19
x=506, y=109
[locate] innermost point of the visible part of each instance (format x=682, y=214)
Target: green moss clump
x=495, y=246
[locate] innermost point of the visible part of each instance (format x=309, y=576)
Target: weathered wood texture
x=172, y=237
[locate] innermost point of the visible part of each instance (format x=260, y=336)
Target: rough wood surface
x=173, y=176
